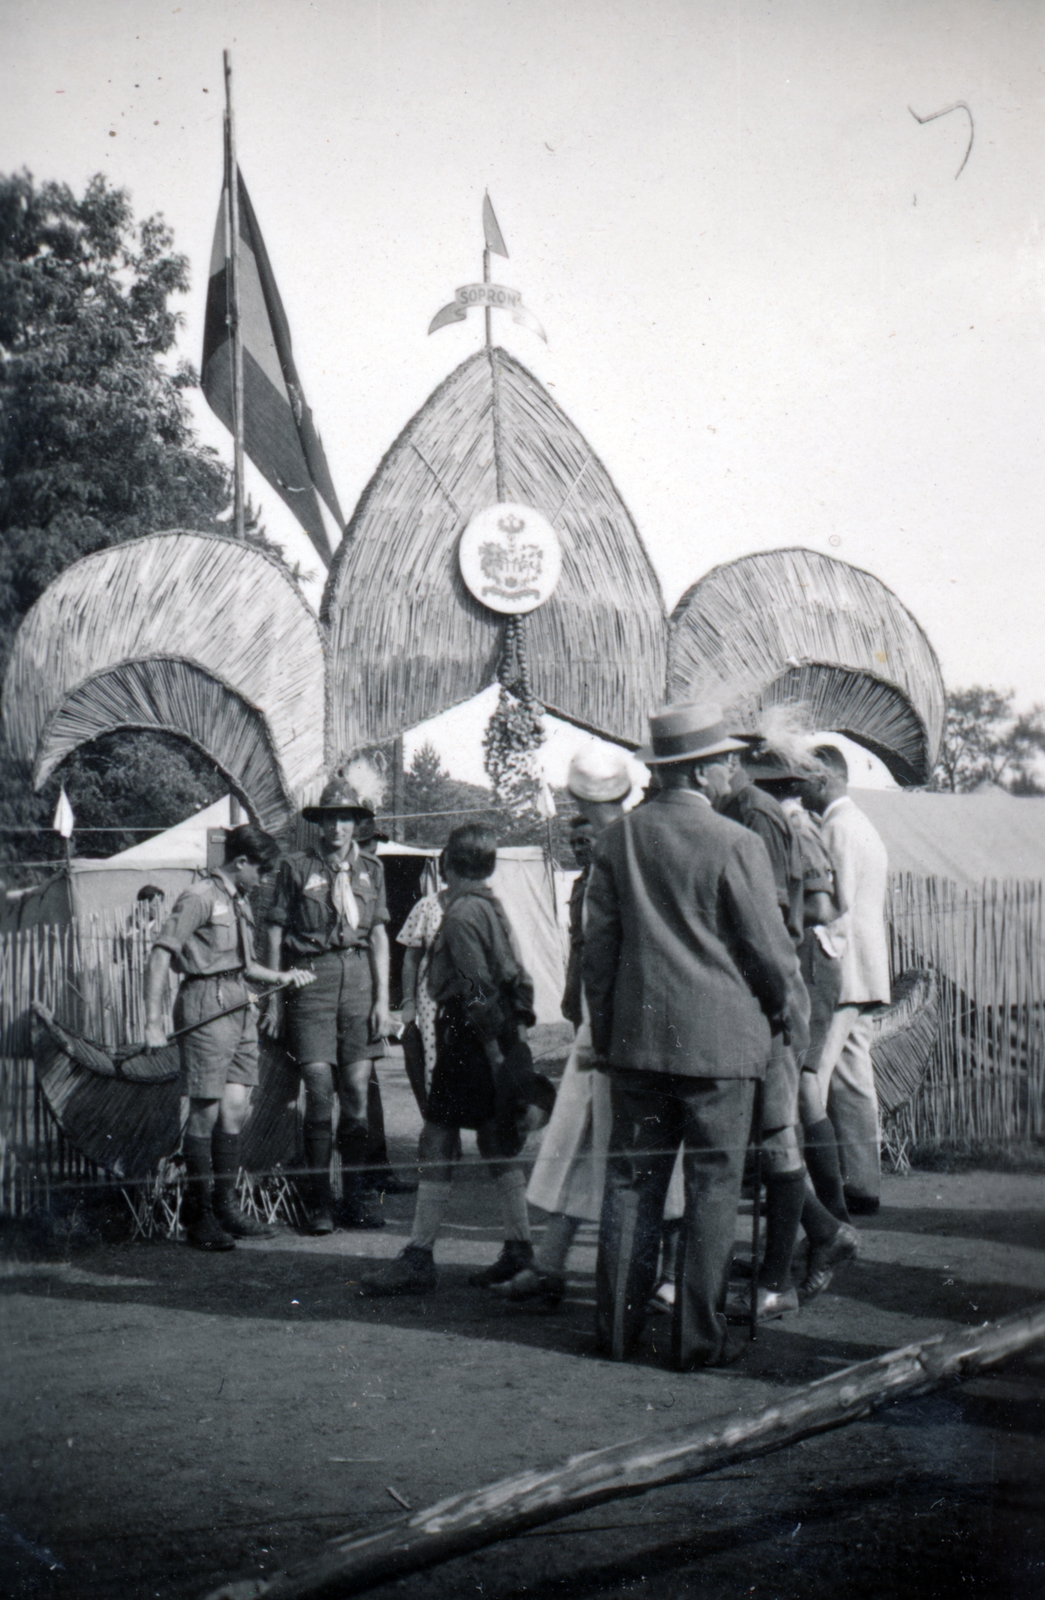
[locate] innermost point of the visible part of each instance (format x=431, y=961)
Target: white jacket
x=861, y=881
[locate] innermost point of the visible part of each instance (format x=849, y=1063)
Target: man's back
x=685, y=950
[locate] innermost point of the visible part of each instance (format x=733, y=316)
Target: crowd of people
x=727, y=942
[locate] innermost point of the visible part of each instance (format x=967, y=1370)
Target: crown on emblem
x=511, y=524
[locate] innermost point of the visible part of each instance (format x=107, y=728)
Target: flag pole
x=487, y=311
x=232, y=256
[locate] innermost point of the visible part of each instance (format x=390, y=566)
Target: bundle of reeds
x=408, y=640
x=904, y=1034
x=187, y=633
x=799, y=629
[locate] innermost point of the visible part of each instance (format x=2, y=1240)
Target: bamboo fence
x=985, y=1080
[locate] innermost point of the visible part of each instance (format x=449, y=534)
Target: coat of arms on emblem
x=510, y=558
x=513, y=568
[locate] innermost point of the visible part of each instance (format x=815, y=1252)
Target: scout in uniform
x=208, y=938
x=328, y=913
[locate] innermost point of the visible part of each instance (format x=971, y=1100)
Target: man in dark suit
x=688, y=970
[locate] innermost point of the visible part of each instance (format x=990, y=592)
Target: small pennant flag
x=279, y=435
x=494, y=236
x=64, y=821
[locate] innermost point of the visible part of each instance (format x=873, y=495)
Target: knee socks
x=669, y=1248
x=555, y=1246
x=199, y=1171
x=429, y=1211
x=821, y=1154
x=785, y=1192
x=511, y=1187
x=820, y=1224
x=225, y=1150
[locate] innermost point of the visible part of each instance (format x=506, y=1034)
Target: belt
x=200, y=977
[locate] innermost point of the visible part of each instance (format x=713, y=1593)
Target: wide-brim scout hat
x=598, y=774
x=687, y=733
x=338, y=796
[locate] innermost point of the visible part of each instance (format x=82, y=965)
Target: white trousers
x=846, y=1079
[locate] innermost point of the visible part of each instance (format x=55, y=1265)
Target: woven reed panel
x=194, y=633
x=799, y=628
x=407, y=639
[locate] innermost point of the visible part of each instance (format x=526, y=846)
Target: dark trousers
x=652, y=1114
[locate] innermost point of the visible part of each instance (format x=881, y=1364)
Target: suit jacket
x=685, y=955
x=862, y=879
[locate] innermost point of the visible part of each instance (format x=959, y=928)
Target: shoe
x=412, y=1272
x=240, y=1225
x=663, y=1297
x=361, y=1212
x=825, y=1259
x=861, y=1205
x=515, y=1255
x=206, y=1233
x=393, y=1183
x=772, y=1303
x=533, y=1284
x=320, y=1219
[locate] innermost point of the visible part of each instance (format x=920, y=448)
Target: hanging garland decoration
x=515, y=731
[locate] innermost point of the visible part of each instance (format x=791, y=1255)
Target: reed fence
x=985, y=1080
x=91, y=974
x=986, y=1077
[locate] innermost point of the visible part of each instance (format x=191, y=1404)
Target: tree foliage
x=986, y=740
x=96, y=439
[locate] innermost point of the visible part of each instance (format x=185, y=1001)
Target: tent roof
x=965, y=837
x=184, y=845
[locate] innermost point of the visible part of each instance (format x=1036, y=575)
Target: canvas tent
x=966, y=838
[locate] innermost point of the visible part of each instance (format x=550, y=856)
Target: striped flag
x=278, y=432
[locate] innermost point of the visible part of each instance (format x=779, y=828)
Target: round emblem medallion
x=510, y=558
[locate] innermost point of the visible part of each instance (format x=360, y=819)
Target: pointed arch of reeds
x=796, y=628
x=193, y=634
x=407, y=639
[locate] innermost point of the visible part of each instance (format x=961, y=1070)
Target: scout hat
x=687, y=733
x=338, y=795
x=598, y=774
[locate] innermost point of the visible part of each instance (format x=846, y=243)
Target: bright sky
x=771, y=307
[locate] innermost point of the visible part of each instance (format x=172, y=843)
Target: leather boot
x=319, y=1198
x=360, y=1206
x=232, y=1218
x=202, y=1229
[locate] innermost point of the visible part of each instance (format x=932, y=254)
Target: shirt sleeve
x=766, y=954
x=412, y=933
x=279, y=907
x=381, y=903
x=191, y=910
x=600, y=953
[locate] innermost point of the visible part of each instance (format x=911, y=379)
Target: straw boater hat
x=687, y=733
x=599, y=774
x=338, y=795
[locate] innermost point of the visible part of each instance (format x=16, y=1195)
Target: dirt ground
x=170, y=1420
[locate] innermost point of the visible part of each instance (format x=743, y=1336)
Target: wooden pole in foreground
x=353, y=1563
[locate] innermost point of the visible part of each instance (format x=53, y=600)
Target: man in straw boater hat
x=208, y=938
x=569, y=1173
x=688, y=972
x=328, y=913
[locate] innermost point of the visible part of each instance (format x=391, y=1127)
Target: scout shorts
x=224, y=1051
x=329, y=1020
